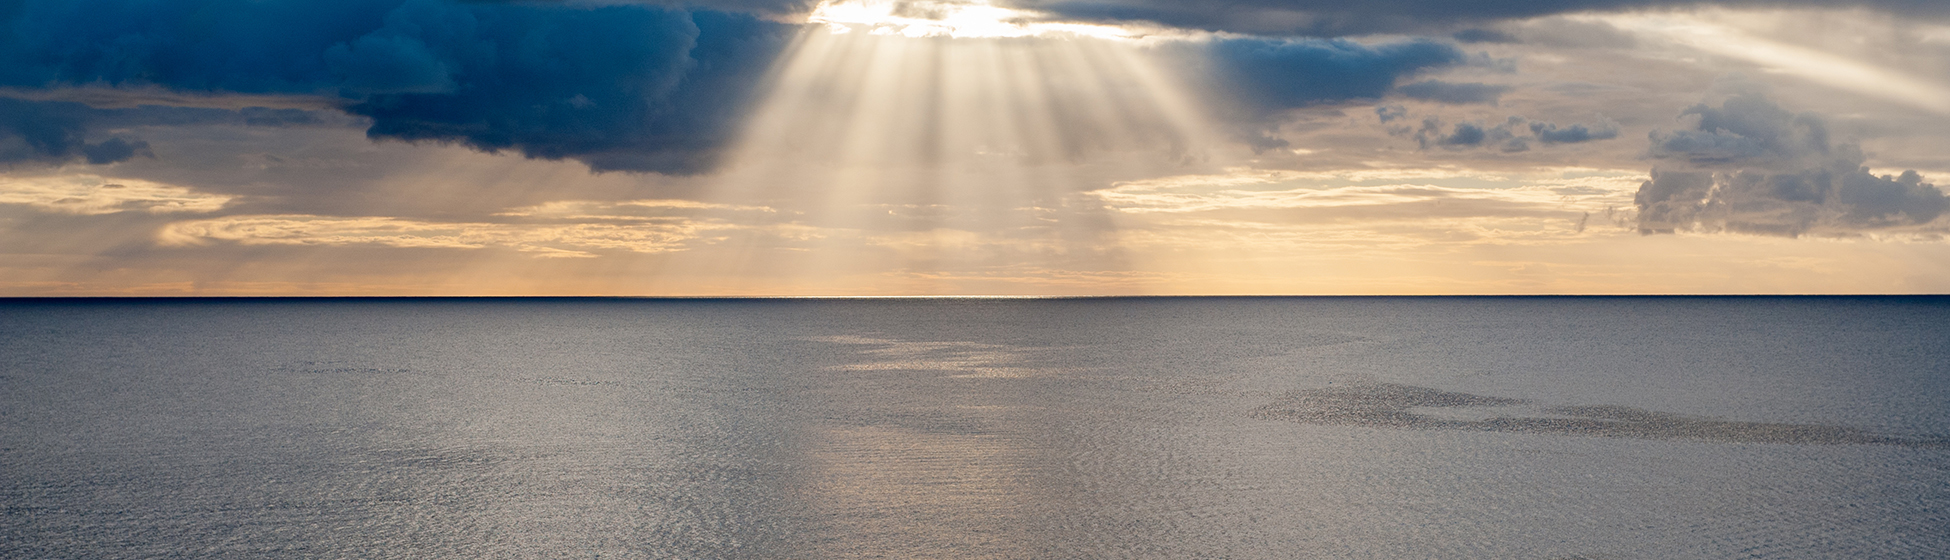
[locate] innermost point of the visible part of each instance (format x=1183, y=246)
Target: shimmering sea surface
x=1549, y=428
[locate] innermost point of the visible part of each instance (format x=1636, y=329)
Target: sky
x=973, y=147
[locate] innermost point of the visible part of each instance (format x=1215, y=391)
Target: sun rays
x=949, y=146
x=966, y=19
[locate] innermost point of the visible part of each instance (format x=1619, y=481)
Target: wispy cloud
x=647, y=209
x=542, y=240
x=1261, y=189
x=91, y=194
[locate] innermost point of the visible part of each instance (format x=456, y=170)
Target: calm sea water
x=1547, y=428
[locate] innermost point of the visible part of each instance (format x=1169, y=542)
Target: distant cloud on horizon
x=1750, y=166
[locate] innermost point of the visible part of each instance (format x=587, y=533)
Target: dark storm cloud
x=113, y=150
x=1466, y=134
x=1390, y=113
x=1471, y=135
x=1750, y=166
x=766, y=7
x=1454, y=93
x=1550, y=133
x=58, y=132
x=1507, y=136
x=1266, y=76
x=1329, y=18
x=1280, y=73
x=620, y=87
x=55, y=133
x=1483, y=36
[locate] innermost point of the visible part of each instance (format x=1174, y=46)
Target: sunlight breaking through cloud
x=965, y=19
x=1718, y=33
x=950, y=152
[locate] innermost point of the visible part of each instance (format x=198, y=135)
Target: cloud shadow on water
x=1386, y=405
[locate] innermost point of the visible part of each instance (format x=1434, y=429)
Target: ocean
x=1440, y=427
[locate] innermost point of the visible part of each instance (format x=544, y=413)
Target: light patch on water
x=969, y=359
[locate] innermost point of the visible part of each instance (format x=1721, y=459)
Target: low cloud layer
x=1507, y=136
x=1453, y=93
x=1750, y=166
x=61, y=132
x=56, y=133
x=621, y=87
x=1550, y=133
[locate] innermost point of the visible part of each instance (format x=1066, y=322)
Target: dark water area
x=1549, y=428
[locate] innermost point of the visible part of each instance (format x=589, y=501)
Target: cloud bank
x=1506, y=136
x=1454, y=93
x=1750, y=166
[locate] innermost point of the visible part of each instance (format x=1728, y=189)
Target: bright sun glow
x=946, y=18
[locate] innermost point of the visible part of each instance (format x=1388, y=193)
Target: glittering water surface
x=1543, y=428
